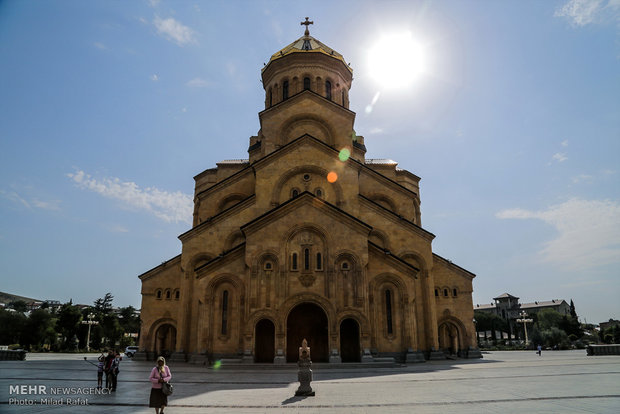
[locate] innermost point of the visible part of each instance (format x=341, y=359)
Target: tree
x=548, y=318
x=11, y=326
x=37, y=328
x=104, y=305
x=128, y=320
x=68, y=323
x=573, y=313
x=19, y=306
x=111, y=329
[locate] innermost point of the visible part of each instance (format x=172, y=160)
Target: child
x=100, y=372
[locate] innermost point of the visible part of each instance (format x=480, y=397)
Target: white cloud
x=588, y=232
x=171, y=207
x=198, y=83
x=584, y=12
x=559, y=157
x=32, y=203
x=154, y=77
x=100, y=45
x=582, y=178
x=174, y=30
x=565, y=143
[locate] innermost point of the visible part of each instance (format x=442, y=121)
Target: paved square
x=502, y=382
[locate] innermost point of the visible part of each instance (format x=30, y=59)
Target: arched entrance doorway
x=264, y=341
x=308, y=321
x=350, y=341
x=165, y=340
x=449, y=341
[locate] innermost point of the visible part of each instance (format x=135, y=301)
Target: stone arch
x=150, y=340
x=358, y=316
x=308, y=320
x=384, y=201
x=307, y=123
x=234, y=239
x=379, y=238
x=452, y=334
x=262, y=314
x=348, y=281
x=414, y=259
x=199, y=260
x=394, y=316
x=217, y=341
x=276, y=195
x=310, y=297
x=229, y=200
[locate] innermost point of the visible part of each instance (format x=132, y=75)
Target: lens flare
x=217, y=364
x=344, y=154
x=332, y=177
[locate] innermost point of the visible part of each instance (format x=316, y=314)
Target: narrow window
x=268, y=266
x=343, y=98
x=285, y=90
x=445, y=292
x=225, y=312
x=306, y=84
x=158, y=294
x=270, y=98
x=319, y=193
x=454, y=292
x=294, y=193
x=177, y=295
x=307, y=259
x=436, y=292
x=319, y=261
x=294, y=261
x=328, y=90
x=345, y=266
x=168, y=294
x=388, y=311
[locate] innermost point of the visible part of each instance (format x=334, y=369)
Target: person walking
x=539, y=350
x=159, y=375
x=107, y=368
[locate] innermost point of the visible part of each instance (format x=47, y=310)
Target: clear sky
x=108, y=109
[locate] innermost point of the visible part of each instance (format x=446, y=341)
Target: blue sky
x=109, y=108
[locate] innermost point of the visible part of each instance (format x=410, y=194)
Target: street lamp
x=525, y=321
x=89, y=322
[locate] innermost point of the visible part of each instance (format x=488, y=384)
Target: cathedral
x=307, y=238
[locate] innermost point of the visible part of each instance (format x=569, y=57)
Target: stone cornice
x=398, y=219
x=150, y=273
x=235, y=208
x=452, y=266
x=220, y=260
x=396, y=261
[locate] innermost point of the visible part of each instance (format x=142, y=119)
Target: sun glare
x=397, y=60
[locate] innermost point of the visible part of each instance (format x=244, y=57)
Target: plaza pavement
x=502, y=382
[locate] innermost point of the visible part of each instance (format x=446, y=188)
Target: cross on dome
x=307, y=23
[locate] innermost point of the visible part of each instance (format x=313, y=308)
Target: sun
x=397, y=60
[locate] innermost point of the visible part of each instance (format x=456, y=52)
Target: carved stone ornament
x=307, y=279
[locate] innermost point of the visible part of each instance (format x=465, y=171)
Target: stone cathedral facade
x=307, y=238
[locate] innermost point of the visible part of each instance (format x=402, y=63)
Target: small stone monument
x=304, y=375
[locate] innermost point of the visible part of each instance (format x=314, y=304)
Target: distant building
x=609, y=324
x=508, y=307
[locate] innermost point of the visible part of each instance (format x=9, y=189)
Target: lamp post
x=89, y=322
x=477, y=336
x=524, y=320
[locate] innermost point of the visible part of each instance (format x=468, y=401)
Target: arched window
x=177, y=294
x=294, y=193
x=445, y=292
x=344, y=266
x=388, y=311
x=436, y=292
x=306, y=84
x=319, y=261
x=268, y=266
x=285, y=90
x=343, y=98
x=167, y=293
x=454, y=292
x=306, y=259
x=318, y=192
x=158, y=294
x=224, y=312
x=328, y=90
x=294, y=261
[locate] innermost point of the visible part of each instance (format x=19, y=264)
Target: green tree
x=37, y=328
x=68, y=323
x=548, y=318
x=19, y=305
x=112, y=329
x=128, y=320
x=104, y=305
x=11, y=326
x=573, y=313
